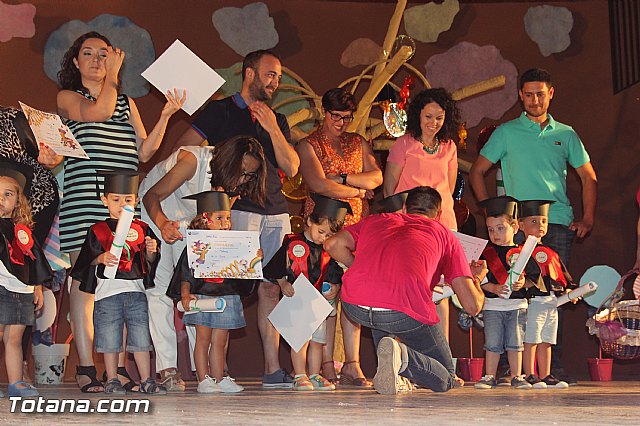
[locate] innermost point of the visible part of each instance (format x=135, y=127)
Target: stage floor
x=588, y=403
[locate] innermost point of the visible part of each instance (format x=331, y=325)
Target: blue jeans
x=430, y=364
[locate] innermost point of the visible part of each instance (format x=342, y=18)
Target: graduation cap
x=534, y=208
x=211, y=201
x=21, y=173
x=497, y=206
x=331, y=208
x=393, y=203
x=119, y=181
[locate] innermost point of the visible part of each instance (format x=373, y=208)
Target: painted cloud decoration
x=426, y=22
x=549, y=27
x=361, y=51
x=246, y=29
x=17, y=21
x=467, y=63
x=134, y=40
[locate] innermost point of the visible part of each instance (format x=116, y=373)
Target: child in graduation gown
x=23, y=270
x=120, y=301
x=550, y=280
x=212, y=328
x=303, y=254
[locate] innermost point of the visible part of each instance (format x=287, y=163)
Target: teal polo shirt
x=534, y=161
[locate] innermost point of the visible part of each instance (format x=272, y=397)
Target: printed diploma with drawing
x=224, y=254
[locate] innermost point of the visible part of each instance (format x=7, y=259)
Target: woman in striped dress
x=109, y=128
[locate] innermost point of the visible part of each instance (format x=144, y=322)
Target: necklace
x=431, y=150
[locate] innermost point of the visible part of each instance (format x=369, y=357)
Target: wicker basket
x=627, y=312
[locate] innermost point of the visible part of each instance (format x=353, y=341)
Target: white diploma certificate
x=224, y=254
x=446, y=292
x=122, y=230
x=472, y=246
x=178, y=67
x=297, y=317
x=578, y=292
x=216, y=304
x=49, y=130
x=520, y=263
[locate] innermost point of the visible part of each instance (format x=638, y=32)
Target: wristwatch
x=344, y=178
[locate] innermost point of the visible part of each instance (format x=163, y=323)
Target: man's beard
x=258, y=93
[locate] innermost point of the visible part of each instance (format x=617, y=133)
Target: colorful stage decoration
x=549, y=27
x=122, y=32
x=16, y=20
x=361, y=51
x=426, y=22
x=246, y=29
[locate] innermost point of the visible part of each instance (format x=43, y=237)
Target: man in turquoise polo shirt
x=533, y=151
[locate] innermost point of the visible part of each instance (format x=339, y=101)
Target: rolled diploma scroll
x=216, y=304
x=521, y=262
x=122, y=229
x=578, y=292
x=446, y=292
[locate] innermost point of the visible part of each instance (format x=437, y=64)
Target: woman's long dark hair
x=226, y=168
x=449, y=130
x=69, y=76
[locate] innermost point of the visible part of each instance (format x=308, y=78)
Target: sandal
x=22, y=389
x=129, y=384
x=331, y=377
x=150, y=386
x=114, y=387
x=90, y=372
x=348, y=380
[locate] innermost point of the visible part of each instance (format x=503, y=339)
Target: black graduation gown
x=96, y=244
x=280, y=265
x=550, y=274
x=501, y=252
x=207, y=287
x=34, y=271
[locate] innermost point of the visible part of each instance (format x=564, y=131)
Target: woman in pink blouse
x=427, y=156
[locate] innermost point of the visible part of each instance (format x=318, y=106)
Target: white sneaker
x=229, y=385
x=209, y=385
x=386, y=380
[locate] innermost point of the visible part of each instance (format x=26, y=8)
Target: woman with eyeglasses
x=339, y=164
x=236, y=166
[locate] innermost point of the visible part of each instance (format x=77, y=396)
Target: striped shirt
x=110, y=145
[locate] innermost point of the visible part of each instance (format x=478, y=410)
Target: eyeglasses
x=249, y=175
x=346, y=119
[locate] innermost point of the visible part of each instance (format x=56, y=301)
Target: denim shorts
x=231, y=318
x=542, y=323
x=16, y=308
x=112, y=313
x=504, y=330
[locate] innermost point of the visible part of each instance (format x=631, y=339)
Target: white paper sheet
x=296, y=318
x=180, y=68
x=472, y=246
x=121, y=236
x=49, y=130
x=224, y=254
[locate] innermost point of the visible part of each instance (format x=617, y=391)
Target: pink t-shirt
x=420, y=168
x=399, y=259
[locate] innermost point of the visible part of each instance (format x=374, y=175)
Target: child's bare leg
x=443, y=313
x=327, y=350
x=543, y=353
x=528, y=358
x=299, y=360
x=201, y=351
x=143, y=362
x=314, y=357
x=492, y=363
x=515, y=362
x=217, y=353
x=13, y=351
x=122, y=356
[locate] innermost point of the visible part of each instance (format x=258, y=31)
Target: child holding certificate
x=504, y=317
x=212, y=328
x=550, y=280
x=303, y=254
x=23, y=270
x=120, y=301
